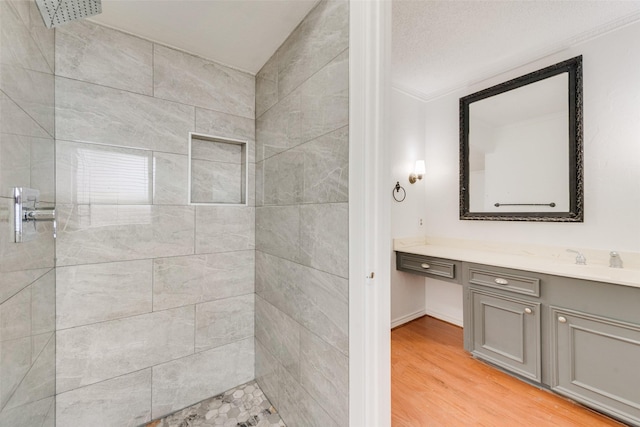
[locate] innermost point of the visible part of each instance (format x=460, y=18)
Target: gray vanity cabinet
x=506, y=332
x=596, y=360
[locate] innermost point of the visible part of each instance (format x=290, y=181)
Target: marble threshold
x=536, y=258
x=243, y=406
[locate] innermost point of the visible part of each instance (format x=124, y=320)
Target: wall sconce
x=418, y=171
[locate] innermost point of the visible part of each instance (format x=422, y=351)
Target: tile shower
x=154, y=298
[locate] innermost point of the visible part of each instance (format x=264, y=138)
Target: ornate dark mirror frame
x=576, y=190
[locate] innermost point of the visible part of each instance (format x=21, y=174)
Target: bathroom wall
x=302, y=154
x=27, y=280
x=611, y=161
x=155, y=298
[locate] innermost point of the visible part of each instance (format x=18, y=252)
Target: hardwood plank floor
x=434, y=383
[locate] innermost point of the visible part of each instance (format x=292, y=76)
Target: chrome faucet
x=614, y=260
x=580, y=258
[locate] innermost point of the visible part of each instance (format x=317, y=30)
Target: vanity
x=534, y=313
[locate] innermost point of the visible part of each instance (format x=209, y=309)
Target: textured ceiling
x=239, y=33
x=439, y=46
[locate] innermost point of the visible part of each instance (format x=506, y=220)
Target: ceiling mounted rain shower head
x=58, y=12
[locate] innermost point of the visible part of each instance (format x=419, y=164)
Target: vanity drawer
x=499, y=279
x=426, y=266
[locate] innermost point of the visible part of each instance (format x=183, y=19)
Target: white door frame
x=369, y=214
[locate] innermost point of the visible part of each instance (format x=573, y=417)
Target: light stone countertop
x=536, y=258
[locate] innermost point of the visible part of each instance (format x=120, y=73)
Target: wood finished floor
x=434, y=382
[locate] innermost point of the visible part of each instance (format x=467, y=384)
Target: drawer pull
x=562, y=319
x=500, y=281
x=528, y=310
x=425, y=266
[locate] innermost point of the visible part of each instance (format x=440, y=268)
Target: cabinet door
x=596, y=361
x=506, y=332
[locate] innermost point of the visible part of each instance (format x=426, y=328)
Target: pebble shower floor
x=243, y=406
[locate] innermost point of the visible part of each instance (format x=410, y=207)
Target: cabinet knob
x=528, y=310
x=562, y=319
x=500, y=281
x=425, y=266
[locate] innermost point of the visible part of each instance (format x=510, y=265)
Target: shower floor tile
x=243, y=406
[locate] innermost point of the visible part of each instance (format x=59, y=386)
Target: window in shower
x=217, y=170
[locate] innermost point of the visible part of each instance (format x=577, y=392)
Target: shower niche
x=217, y=170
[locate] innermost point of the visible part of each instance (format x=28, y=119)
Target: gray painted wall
x=302, y=117
x=155, y=297
x=27, y=279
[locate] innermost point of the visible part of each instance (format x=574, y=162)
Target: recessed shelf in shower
x=217, y=170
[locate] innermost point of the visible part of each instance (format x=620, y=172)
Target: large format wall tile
x=324, y=237
x=15, y=316
x=326, y=168
x=32, y=91
x=170, y=179
x=98, y=292
x=279, y=334
x=102, y=233
x=267, y=86
x=87, y=112
x=298, y=407
x=16, y=121
x=15, y=361
x=194, y=279
x=15, y=161
x=89, y=354
x=317, y=300
x=92, y=53
x=267, y=368
x=182, y=382
x=284, y=178
x=120, y=402
x=215, y=123
x=216, y=182
x=43, y=304
x=224, y=229
x=189, y=79
x=322, y=35
x=224, y=321
x=278, y=231
x=324, y=373
x=13, y=282
x=38, y=413
x=280, y=128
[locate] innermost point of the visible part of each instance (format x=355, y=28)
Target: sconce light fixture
x=418, y=171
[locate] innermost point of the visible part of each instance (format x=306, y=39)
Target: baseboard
x=444, y=317
x=408, y=318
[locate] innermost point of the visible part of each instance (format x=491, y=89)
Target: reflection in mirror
x=520, y=145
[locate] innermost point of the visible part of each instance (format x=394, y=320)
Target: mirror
x=521, y=148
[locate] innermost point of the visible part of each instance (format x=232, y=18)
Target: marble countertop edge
x=539, y=259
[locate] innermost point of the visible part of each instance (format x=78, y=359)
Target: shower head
x=58, y=12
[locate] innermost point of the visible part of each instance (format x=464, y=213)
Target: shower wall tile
x=214, y=151
x=15, y=163
x=224, y=229
x=324, y=237
x=267, y=86
x=267, y=373
x=13, y=282
x=285, y=178
x=94, y=353
x=16, y=121
x=102, y=233
x=279, y=334
x=43, y=36
x=93, y=293
x=43, y=168
x=216, y=182
x=324, y=374
x=122, y=401
x=33, y=414
x=186, y=78
x=322, y=35
x=278, y=231
x=18, y=46
x=170, y=179
x=32, y=91
x=223, y=125
x=259, y=184
x=224, y=321
x=15, y=316
x=315, y=299
x=87, y=112
x=179, y=383
x=39, y=382
x=179, y=281
x=92, y=53
x=280, y=128
x=43, y=304
x=15, y=361
x=324, y=99
x=326, y=168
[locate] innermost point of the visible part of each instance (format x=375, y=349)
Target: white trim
x=444, y=317
x=407, y=318
x=369, y=215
